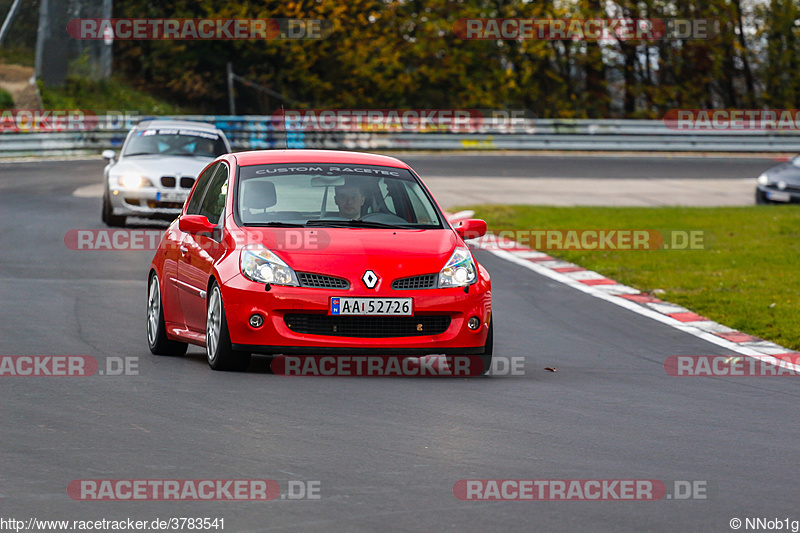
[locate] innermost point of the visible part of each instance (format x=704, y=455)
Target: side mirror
x=196, y=225
x=110, y=155
x=471, y=228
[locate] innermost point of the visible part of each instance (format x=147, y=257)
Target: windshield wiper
x=353, y=224
x=276, y=224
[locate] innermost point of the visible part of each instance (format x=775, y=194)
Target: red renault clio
x=316, y=252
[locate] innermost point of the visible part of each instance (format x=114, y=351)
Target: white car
x=157, y=167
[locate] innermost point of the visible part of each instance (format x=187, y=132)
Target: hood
x=159, y=165
x=349, y=252
x=788, y=172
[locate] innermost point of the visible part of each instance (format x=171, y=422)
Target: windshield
x=333, y=195
x=174, y=141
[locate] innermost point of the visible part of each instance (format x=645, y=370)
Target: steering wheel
x=388, y=218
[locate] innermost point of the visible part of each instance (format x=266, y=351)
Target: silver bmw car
x=156, y=169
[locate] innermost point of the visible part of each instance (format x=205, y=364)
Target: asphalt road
x=385, y=451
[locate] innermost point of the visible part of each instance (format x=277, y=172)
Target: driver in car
x=349, y=198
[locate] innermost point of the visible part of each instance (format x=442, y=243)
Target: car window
x=193, y=207
x=214, y=199
x=386, y=197
x=175, y=142
x=422, y=208
x=316, y=193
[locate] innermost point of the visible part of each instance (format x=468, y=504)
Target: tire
x=112, y=220
x=219, y=353
x=761, y=198
x=486, y=356
x=156, y=330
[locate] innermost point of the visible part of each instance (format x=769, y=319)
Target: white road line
x=89, y=191
x=757, y=350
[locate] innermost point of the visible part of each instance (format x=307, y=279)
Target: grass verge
x=745, y=277
x=104, y=95
x=17, y=56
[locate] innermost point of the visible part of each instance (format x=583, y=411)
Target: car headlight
x=133, y=181
x=763, y=179
x=459, y=271
x=259, y=264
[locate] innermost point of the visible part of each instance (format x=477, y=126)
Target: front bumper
x=243, y=298
x=772, y=194
x=150, y=202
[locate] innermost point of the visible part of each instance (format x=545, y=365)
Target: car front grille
x=427, y=281
x=169, y=182
x=368, y=326
x=320, y=281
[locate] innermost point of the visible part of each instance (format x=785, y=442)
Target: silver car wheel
x=153, y=311
x=213, y=324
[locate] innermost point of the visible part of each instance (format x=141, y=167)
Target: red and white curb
x=632, y=299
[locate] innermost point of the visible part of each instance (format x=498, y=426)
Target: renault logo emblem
x=370, y=279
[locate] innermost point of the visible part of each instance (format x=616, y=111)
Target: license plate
x=779, y=196
x=171, y=196
x=372, y=306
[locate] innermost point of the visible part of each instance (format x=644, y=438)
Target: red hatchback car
x=316, y=252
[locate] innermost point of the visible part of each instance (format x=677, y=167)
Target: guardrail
x=264, y=132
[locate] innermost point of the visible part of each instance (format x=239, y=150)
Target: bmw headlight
x=259, y=264
x=763, y=179
x=459, y=271
x=133, y=181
